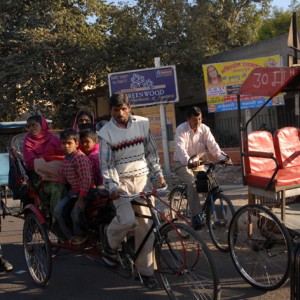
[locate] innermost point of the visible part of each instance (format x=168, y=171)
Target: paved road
x=78, y=277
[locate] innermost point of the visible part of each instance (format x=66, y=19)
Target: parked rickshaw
x=262, y=233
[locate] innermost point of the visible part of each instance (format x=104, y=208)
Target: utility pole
x=163, y=122
x=293, y=42
x=295, y=38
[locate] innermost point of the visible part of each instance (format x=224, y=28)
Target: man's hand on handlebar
x=161, y=182
x=197, y=163
x=226, y=162
x=115, y=194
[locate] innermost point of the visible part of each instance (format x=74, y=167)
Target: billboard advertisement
x=146, y=86
x=223, y=81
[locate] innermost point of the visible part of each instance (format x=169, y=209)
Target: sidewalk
x=238, y=194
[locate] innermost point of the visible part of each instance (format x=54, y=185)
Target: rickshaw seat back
x=287, y=146
x=17, y=143
x=260, y=140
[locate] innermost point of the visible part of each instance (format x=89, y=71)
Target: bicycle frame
x=210, y=201
x=155, y=213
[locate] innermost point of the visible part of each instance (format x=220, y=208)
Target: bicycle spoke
x=185, y=266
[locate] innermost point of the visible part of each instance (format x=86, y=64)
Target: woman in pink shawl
x=39, y=142
x=43, y=156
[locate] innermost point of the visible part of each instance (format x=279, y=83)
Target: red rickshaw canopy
x=271, y=81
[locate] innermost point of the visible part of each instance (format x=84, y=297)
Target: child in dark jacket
x=76, y=171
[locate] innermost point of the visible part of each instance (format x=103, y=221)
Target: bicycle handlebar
x=208, y=163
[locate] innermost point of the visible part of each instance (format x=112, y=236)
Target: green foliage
x=186, y=32
x=49, y=55
x=277, y=24
x=53, y=53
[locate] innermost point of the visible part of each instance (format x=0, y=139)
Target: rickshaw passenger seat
x=17, y=143
x=283, y=149
x=287, y=146
x=260, y=140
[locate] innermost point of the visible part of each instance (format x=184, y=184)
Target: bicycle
x=184, y=265
x=260, y=247
x=217, y=209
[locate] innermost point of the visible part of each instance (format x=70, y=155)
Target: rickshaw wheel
x=260, y=247
x=37, y=250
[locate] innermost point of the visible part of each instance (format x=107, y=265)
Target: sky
x=281, y=3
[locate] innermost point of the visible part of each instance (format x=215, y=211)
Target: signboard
x=152, y=113
x=223, y=81
x=268, y=81
x=146, y=86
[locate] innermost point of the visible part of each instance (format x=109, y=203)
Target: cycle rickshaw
x=183, y=263
x=262, y=233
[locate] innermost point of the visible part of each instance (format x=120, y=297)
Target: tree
x=294, y=5
x=47, y=55
x=275, y=25
x=185, y=32
x=53, y=51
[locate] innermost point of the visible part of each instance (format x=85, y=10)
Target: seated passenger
x=39, y=142
x=90, y=147
x=43, y=155
x=76, y=171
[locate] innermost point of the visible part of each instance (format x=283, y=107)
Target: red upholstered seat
x=284, y=177
x=287, y=146
x=261, y=141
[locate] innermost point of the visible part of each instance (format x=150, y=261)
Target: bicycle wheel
x=218, y=218
x=260, y=246
x=184, y=265
x=37, y=250
x=178, y=202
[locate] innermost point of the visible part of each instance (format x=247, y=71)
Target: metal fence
x=227, y=133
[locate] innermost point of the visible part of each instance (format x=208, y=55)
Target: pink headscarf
x=45, y=144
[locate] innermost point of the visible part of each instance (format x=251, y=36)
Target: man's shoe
x=5, y=265
x=197, y=222
x=148, y=281
x=78, y=240
x=106, y=247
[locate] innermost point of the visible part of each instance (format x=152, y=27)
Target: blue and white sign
x=146, y=86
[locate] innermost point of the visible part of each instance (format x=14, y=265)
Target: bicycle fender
x=30, y=208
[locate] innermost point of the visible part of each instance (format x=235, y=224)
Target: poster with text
x=223, y=80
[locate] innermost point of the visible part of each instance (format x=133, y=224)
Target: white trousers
x=187, y=176
x=125, y=221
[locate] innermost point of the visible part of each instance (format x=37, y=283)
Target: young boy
x=76, y=171
x=90, y=146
